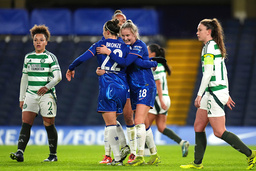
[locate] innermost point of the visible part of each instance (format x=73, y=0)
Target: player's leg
x=219, y=129
x=27, y=122
x=140, y=116
x=110, y=121
x=48, y=110
x=161, y=125
x=130, y=128
x=154, y=158
x=107, y=158
x=200, y=123
x=52, y=138
x=125, y=149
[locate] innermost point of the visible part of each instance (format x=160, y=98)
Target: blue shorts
x=113, y=93
x=143, y=95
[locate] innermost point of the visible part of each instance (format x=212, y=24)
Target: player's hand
x=103, y=50
x=21, y=104
x=198, y=101
x=230, y=103
x=163, y=106
x=154, y=68
x=42, y=91
x=100, y=71
x=70, y=74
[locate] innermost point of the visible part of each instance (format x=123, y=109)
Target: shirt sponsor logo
x=35, y=67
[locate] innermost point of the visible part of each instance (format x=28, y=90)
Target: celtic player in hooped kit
x=214, y=86
x=41, y=72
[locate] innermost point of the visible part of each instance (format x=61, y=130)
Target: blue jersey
x=140, y=76
x=113, y=85
x=141, y=80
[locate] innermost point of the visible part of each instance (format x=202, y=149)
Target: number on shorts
x=50, y=103
x=143, y=93
x=209, y=105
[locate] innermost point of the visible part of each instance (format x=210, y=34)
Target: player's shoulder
x=50, y=55
x=30, y=53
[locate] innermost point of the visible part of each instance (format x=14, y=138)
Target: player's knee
x=218, y=134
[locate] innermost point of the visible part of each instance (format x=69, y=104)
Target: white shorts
x=46, y=104
x=214, y=104
x=157, y=109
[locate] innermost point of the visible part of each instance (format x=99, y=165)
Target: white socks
x=131, y=134
x=141, y=138
x=113, y=141
x=106, y=143
x=150, y=141
x=121, y=136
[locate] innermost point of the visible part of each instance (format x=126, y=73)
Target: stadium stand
x=14, y=21
x=89, y=21
x=140, y=17
x=58, y=20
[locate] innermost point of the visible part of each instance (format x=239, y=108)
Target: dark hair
x=112, y=26
x=40, y=29
x=217, y=33
x=118, y=12
x=160, y=52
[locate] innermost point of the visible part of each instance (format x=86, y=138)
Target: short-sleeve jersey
x=219, y=79
x=160, y=74
x=39, y=67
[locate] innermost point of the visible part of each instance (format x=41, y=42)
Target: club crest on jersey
x=25, y=106
x=42, y=61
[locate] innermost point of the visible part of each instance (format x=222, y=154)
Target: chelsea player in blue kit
x=141, y=83
x=113, y=87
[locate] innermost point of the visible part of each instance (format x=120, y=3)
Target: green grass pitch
x=221, y=158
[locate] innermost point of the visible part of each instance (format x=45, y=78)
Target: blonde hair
x=134, y=29
x=217, y=33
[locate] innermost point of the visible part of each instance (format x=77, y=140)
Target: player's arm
x=129, y=59
x=160, y=94
x=23, y=88
x=82, y=58
x=207, y=74
x=144, y=63
x=57, y=77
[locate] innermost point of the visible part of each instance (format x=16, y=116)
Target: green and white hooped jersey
x=219, y=79
x=39, y=68
x=160, y=74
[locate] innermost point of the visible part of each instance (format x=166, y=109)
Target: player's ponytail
x=160, y=52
